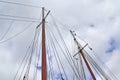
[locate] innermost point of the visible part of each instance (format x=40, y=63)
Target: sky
x=97, y=22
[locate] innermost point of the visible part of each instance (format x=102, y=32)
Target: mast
x=44, y=61
x=82, y=54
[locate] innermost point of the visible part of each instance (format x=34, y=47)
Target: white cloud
x=113, y=63
x=103, y=14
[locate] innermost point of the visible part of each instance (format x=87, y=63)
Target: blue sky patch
x=58, y=77
x=113, y=46
x=39, y=67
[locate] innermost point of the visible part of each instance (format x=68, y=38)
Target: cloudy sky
x=97, y=22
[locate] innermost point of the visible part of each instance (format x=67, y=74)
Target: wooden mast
x=88, y=66
x=85, y=60
x=44, y=61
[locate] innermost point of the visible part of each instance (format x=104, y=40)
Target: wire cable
x=12, y=37
x=50, y=61
x=105, y=66
x=56, y=20
x=57, y=57
x=39, y=51
x=103, y=73
x=7, y=15
x=19, y=20
x=51, y=72
x=2, y=1
x=29, y=58
x=32, y=51
x=67, y=51
x=24, y=59
x=64, y=54
x=82, y=68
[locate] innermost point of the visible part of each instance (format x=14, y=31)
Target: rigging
x=19, y=4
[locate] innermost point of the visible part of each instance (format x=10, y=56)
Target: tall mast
x=82, y=54
x=44, y=61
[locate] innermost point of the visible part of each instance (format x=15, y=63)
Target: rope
x=97, y=67
x=23, y=20
x=6, y=15
x=27, y=71
x=67, y=51
x=33, y=49
x=24, y=59
x=56, y=20
x=82, y=69
x=107, y=68
x=17, y=34
x=20, y=4
x=63, y=53
x=36, y=64
x=56, y=56
x=50, y=60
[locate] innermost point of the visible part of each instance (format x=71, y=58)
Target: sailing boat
x=50, y=57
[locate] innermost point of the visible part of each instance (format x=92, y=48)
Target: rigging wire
x=54, y=51
x=79, y=46
x=12, y=37
x=67, y=51
x=69, y=55
x=35, y=61
x=24, y=59
x=93, y=60
x=56, y=55
x=39, y=51
x=32, y=52
x=50, y=62
x=26, y=76
x=34, y=45
x=65, y=55
x=7, y=31
x=3, y=1
x=19, y=19
x=54, y=19
x=82, y=68
x=50, y=55
x=51, y=73
x=97, y=57
x=92, y=64
x=97, y=71
x=6, y=15
x=80, y=65
x=104, y=72
x=97, y=66
x=25, y=63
